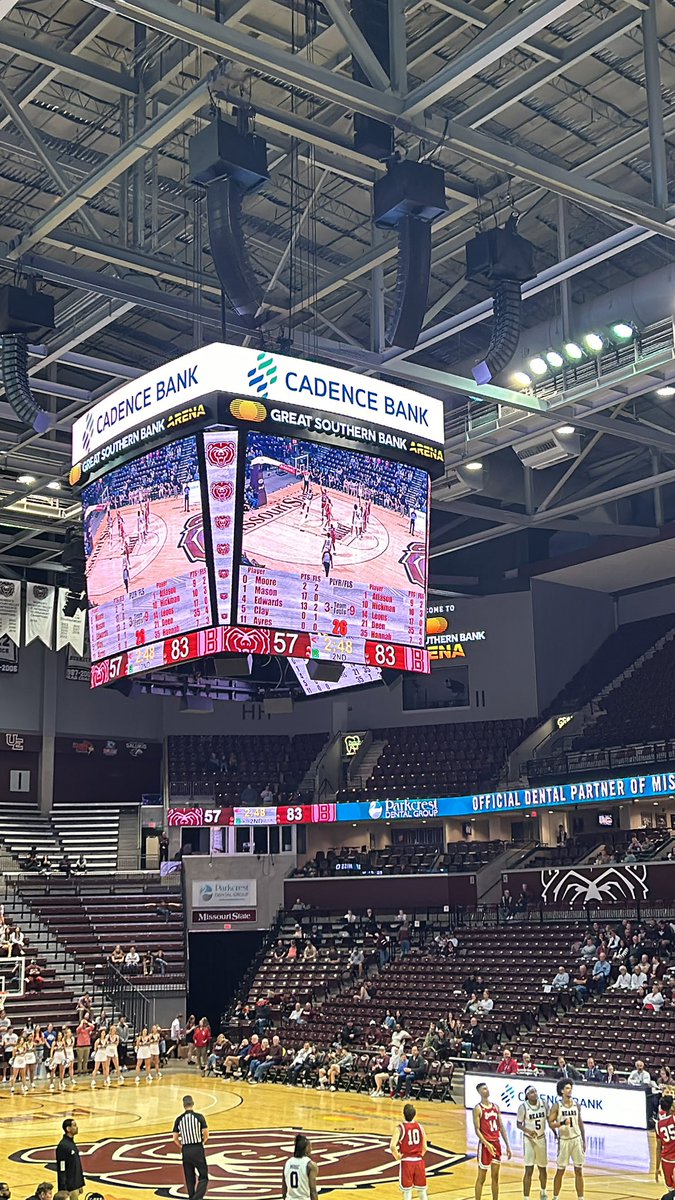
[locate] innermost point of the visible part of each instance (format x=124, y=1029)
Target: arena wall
x=569, y=625
x=383, y=893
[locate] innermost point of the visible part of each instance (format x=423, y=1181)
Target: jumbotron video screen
x=333, y=542
x=147, y=577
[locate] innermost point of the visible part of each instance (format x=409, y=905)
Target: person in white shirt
x=350, y=917
x=622, y=981
x=175, y=1035
x=296, y=1014
x=639, y=1077
x=527, y=1067
x=638, y=980
x=655, y=999
x=132, y=961
x=399, y=1037
x=561, y=980
x=486, y=1003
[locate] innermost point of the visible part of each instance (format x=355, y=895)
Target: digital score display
x=334, y=543
x=147, y=578
x=292, y=814
x=235, y=639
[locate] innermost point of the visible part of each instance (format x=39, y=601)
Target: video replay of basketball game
x=264, y=516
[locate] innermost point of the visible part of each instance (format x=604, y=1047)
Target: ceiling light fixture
x=593, y=342
x=26, y=480
x=474, y=465
x=565, y=430
x=554, y=360
x=573, y=351
x=666, y=391
x=521, y=379
x=538, y=365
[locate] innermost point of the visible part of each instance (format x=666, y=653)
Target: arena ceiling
x=563, y=111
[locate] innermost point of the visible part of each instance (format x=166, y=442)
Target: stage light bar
x=537, y=365
x=621, y=331
x=521, y=379
x=554, y=360
x=593, y=342
x=573, y=351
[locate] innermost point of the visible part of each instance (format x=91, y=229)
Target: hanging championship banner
x=78, y=666
x=9, y=656
x=69, y=630
x=39, y=613
x=10, y=610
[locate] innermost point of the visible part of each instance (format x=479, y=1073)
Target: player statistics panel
x=147, y=577
x=333, y=542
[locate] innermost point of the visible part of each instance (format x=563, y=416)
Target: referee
x=190, y=1133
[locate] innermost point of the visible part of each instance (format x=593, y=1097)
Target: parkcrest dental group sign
x=633, y=787
x=269, y=377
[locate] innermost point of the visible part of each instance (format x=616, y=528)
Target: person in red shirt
x=508, y=1064
x=201, y=1042
x=665, y=1145
x=490, y=1131
x=409, y=1145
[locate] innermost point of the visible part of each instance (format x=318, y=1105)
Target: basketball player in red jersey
x=665, y=1145
x=490, y=1131
x=409, y=1145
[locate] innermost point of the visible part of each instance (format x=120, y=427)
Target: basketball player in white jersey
x=565, y=1119
x=532, y=1120
x=300, y=1173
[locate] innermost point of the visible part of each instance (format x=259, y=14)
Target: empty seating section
x=640, y=709
x=91, y=917
x=433, y=760
x=621, y=649
x=70, y=828
x=228, y=763
x=389, y=860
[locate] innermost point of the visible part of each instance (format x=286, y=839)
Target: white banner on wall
x=600, y=1103
x=10, y=610
x=69, y=630
x=224, y=893
x=39, y=613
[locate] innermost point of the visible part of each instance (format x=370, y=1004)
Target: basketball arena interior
x=337, y=599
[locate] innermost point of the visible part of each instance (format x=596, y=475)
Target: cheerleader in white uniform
x=113, y=1054
x=143, y=1056
x=31, y=1061
x=19, y=1067
x=57, y=1062
x=101, y=1059
x=155, y=1039
x=69, y=1043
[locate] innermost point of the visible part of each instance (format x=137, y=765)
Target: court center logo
x=566, y=887
x=242, y=1163
x=263, y=375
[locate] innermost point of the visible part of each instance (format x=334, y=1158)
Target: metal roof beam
x=356, y=43
x=500, y=37
x=119, y=82
x=474, y=16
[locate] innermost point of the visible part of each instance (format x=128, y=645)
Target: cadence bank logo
x=222, y=489
x=568, y=887
x=263, y=375
x=246, y=1163
x=221, y=454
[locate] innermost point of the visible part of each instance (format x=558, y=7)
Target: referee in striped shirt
x=190, y=1133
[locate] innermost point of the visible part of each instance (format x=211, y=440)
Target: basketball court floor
x=280, y=536
x=162, y=551
x=127, y=1151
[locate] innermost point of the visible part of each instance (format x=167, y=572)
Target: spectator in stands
x=43, y=1191
x=485, y=1004
x=132, y=961
x=363, y=994
x=249, y=796
x=507, y=1064
x=34, y=977
x=564, y=1070
x=610, y=1074
x=217, y=1055
x=83, y=1036
x=370, y=922
x=32, y=863
x=160, y=965
x=472, y=1037
x=297, y=1015
x=350, y=918
x=310, y=953
x=117, y=957
x=80, y=864
x=292, y=952
x=400, y=1036
x=301, y=1064
x=506, y=904
x=274, y=1057
x=233, y=1061
x=357, y=960
x=45, y=865
x=279, y=952
x=84, y=1005
x=66, y=866
x=124, y=1035
x=593, y=1074
x=380, y=1071
x=581, y=982
x=401, y=917
x=524, y=899
x=333, y=953
x=148, y=962
x=588, y=950
x=638, y=980
x=202, y=1042
x=639, y=1077
x=527, y=1066
x=404, y=940
x=414, y=1070
x=561, y=836
x=622, y=981
x=654, y=1000
x=342, y=1060
x=601, y=973
x=561, y=980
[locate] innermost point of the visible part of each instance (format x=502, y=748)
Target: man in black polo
x=68, y=1166
x=190, y=1133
